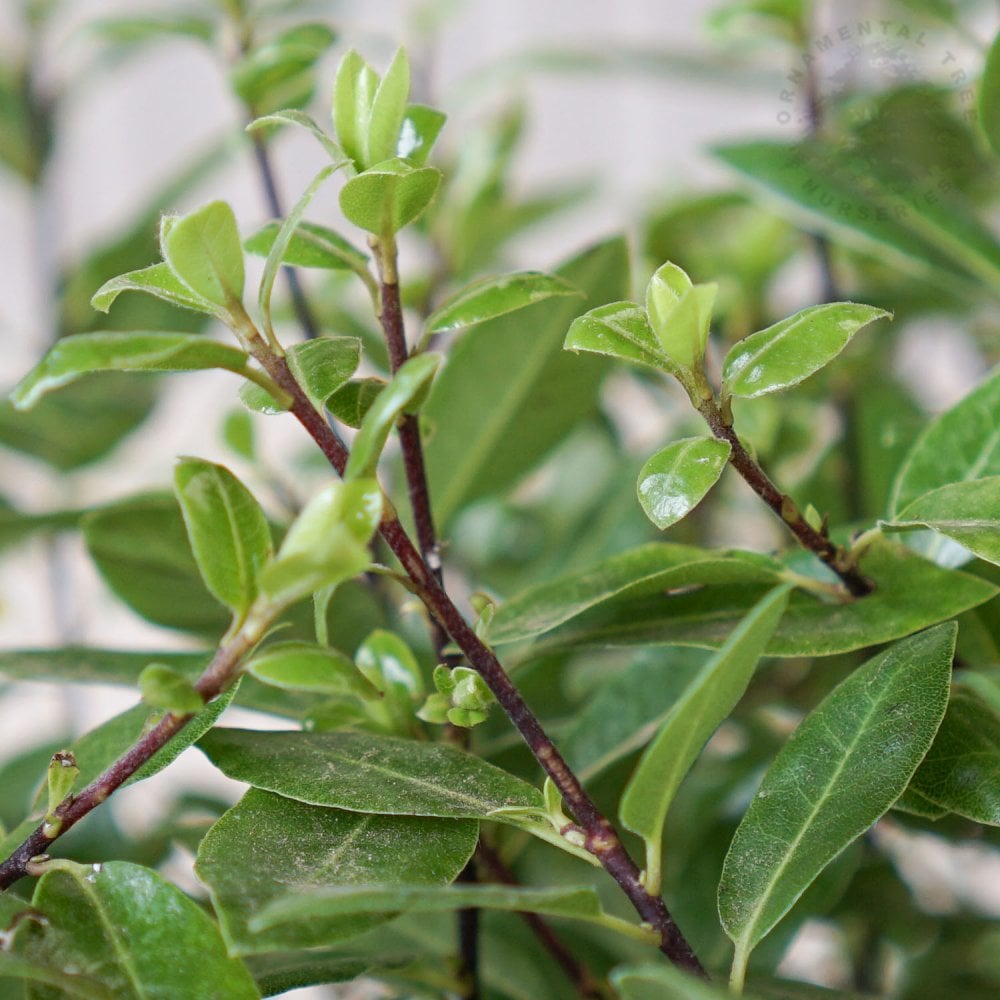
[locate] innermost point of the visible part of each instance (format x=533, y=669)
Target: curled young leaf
x=680, y=314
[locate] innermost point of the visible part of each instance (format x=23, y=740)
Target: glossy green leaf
x=165, y=688
x=327, y=543
x=680, y=314
x=388, y=196
x=912, y=594
x=40, y=972
x=706, y=703
x=353, y=93
x=961, y=444
x=73, y=357
x=229, y=534
x=408, y=387
x=620, y=330
x=677, y=478
x=157, y=280
x=968, y=512
x=916, y=804
x=109, y=920
x=794, y=348
x=508, y=394
x=420, y=129
x=352, y=401
x=388, y=110
x=292, y=116
x=989, y=96
x=268, y=846
x=647, y=570
x=843, y=767
x=961, y=772
x=871, y=205
x=204, y=250
x=573, y=903
x=310, y=245
x=491, y=297
x=390, y=667
x=362, y=772
x=141, y=549
x=302, y=666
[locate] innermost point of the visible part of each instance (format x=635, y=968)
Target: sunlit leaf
x=677, y=478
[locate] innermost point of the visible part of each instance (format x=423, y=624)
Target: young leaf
x=677, y=478
x=310, y=245
x=961, y=444
x=407, y=388
x=109, y=919
x=73, y=357
x=353, y=94
x=327, y=543
x=491, y=297
x=388, y=196
x=165, y=688
x=844, y=766
x=968, y=512
x=292, y=116
x=352, y=401
x=621, y=330
x=388, y=110
x=989, y=96
x=794, y=348
x=204, y=250
x=680, y=314
x=157, y=280
x=420, y=129
x=961, y=772
x=390, y=667
x=267, y=846
x=708, y=700
x=323, y=365
x=228, y=531
x=301, y=666
x=365, y=773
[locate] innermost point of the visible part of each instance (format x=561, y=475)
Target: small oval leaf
x=420, y=129
x=157, y=280
x=676, y=479
x=204, y=250
x=302, y=666
x=794, y=348
x=388, y=196
x=620, y=330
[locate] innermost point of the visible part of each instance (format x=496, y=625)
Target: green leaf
x=310, y=245
x=844, y=766
x=968, y=512
x=277, y=972
x=388, y=196
x=680, y=314
x=508, y=394
x=267, y=846
x=677, y=478
x=874, y=207
x=228, y=531
x=388, y=110
x=292, y=116
x=110, y=919
x=647, y=570
x=140, y=547
x=157, y=280
x=72, y=357
x=353, y=93
x=912, y=594
x=961, y=772
x=204, y=250
x=574, y=903
x=163, y=687
x=302, y=666
x=352, y=401
x=16, y=526
x=134, y=31
x=620, y=330
x=708, y=700
x=663, y=982
x=365, y=773
x=87, y=665
x=407, y=388
x=238, y=434
x=389, y=665
x=68, y=984
x=961, y=444
x=327, y=543
x=420, y=129
x=989, y=96
x=491, y=297
x=794, y=348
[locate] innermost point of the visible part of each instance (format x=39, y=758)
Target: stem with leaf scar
x=842, y=561
x=601, y=839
